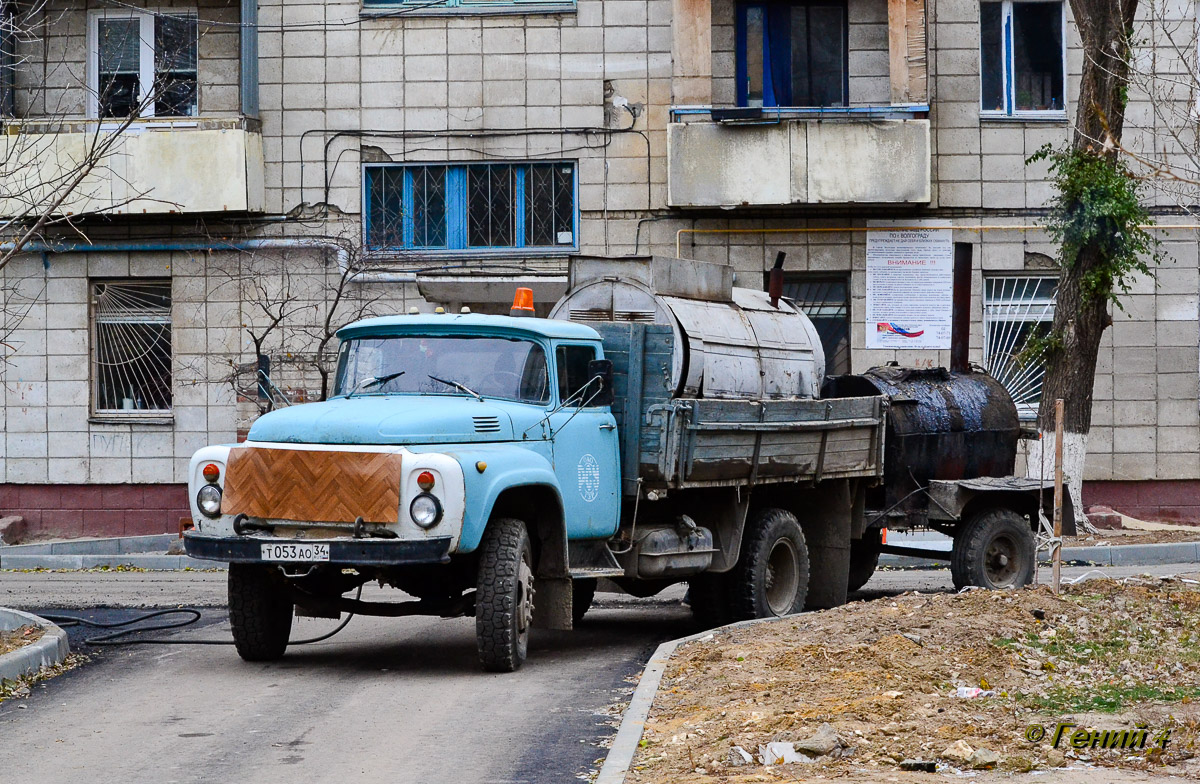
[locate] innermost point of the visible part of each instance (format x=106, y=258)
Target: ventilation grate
x=487, y=424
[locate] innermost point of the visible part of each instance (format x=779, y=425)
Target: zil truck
x=661, y=426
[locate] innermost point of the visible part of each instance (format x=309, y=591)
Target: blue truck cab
x=438, y=425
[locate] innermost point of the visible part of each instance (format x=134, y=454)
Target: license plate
x=295, y=552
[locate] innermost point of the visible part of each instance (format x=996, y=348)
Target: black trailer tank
x=941, y=425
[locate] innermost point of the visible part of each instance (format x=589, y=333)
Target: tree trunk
x=1080, y=320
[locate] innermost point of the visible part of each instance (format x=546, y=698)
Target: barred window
x=825, y=300
x=486, y=206
x=1016, y=311
x=131, y=348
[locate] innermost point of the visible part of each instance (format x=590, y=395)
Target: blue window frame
x=471, y=207
x=1022, y=66
x=793, y=53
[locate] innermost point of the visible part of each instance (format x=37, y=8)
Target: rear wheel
x=583, y=592
x=260, y=611
x=995, y=549
x=504, y=596
x=864, y=557
x=771, y=576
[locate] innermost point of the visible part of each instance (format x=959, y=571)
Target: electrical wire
x=118, y=637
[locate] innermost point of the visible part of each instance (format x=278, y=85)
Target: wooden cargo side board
x=319, y=486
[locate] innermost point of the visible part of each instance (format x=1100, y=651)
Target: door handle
x=608, y=426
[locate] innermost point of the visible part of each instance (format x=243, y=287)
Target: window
x=826, y=302
x=468, y=6
x=573, y=372
x=131, y=348
x=509, y=368
x=143, y=63
x=1021, y=62
x=1015, y=310
x=792, y=54
x=488, y=206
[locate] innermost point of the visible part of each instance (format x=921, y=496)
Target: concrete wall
x=528, y=86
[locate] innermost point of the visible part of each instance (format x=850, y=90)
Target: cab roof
x=467, y=323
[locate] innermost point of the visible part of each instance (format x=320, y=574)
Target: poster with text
x=910, y=287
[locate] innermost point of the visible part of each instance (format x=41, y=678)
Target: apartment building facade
x=446, y=151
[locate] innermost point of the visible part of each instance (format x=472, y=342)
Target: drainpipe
x=282, y=243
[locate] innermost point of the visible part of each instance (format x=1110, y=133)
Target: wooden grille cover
x=318, y=486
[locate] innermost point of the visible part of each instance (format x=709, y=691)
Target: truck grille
x=487, y=424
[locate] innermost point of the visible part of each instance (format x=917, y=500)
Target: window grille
x=131, y=348
x=475, y=207
x=826, y=302
x=1016, y=310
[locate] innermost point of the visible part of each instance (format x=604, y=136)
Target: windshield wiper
x=459, y=386
x=367, y=383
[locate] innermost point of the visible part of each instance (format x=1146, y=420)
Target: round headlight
x=425, y=510
x=209, y=500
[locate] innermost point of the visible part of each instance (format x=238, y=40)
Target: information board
x=910, y=287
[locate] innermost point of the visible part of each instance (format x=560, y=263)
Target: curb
x=633, y=723
x=51, y=649
x=151, y=562
x=124, y=545
x=1107, y=555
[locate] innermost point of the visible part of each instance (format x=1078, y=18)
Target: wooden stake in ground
x=1056, y=548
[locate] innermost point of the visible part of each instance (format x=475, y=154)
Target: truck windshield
x=508, y=368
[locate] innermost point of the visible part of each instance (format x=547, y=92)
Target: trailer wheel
x=583, y=591
x=995, y=549
x=864, y=557
x=260, y=611
x=504, y=596
x=771, y=577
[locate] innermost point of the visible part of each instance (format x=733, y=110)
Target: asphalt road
x=387, y=700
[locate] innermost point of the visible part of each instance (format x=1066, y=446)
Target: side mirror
x=603, y=370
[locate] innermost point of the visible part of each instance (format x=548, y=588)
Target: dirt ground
x=1116, y=663
x=1122, y=537
x=11, y=639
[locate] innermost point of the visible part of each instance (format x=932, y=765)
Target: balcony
x=772, y=163
x=154, y=167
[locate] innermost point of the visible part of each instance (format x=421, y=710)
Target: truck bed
x=675, y=443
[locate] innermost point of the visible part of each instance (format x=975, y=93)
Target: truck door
x=586, y=458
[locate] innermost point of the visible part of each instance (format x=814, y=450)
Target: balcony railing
x=154, y=167
x=778, y=157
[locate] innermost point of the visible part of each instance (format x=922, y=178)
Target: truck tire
x=260, y=611
x=995, y=549
x=864, y=557
x=504, y=595
x=583, y=591
x=771, y=576
x=708, y=595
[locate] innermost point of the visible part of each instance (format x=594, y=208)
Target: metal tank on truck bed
x=728, y=342
x=716, y=399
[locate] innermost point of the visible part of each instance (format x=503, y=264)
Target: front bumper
x=346, y=552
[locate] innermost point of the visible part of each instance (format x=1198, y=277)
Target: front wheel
x=771, y=576
x=504, y=596
x=995, y=549
x=260, y=611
